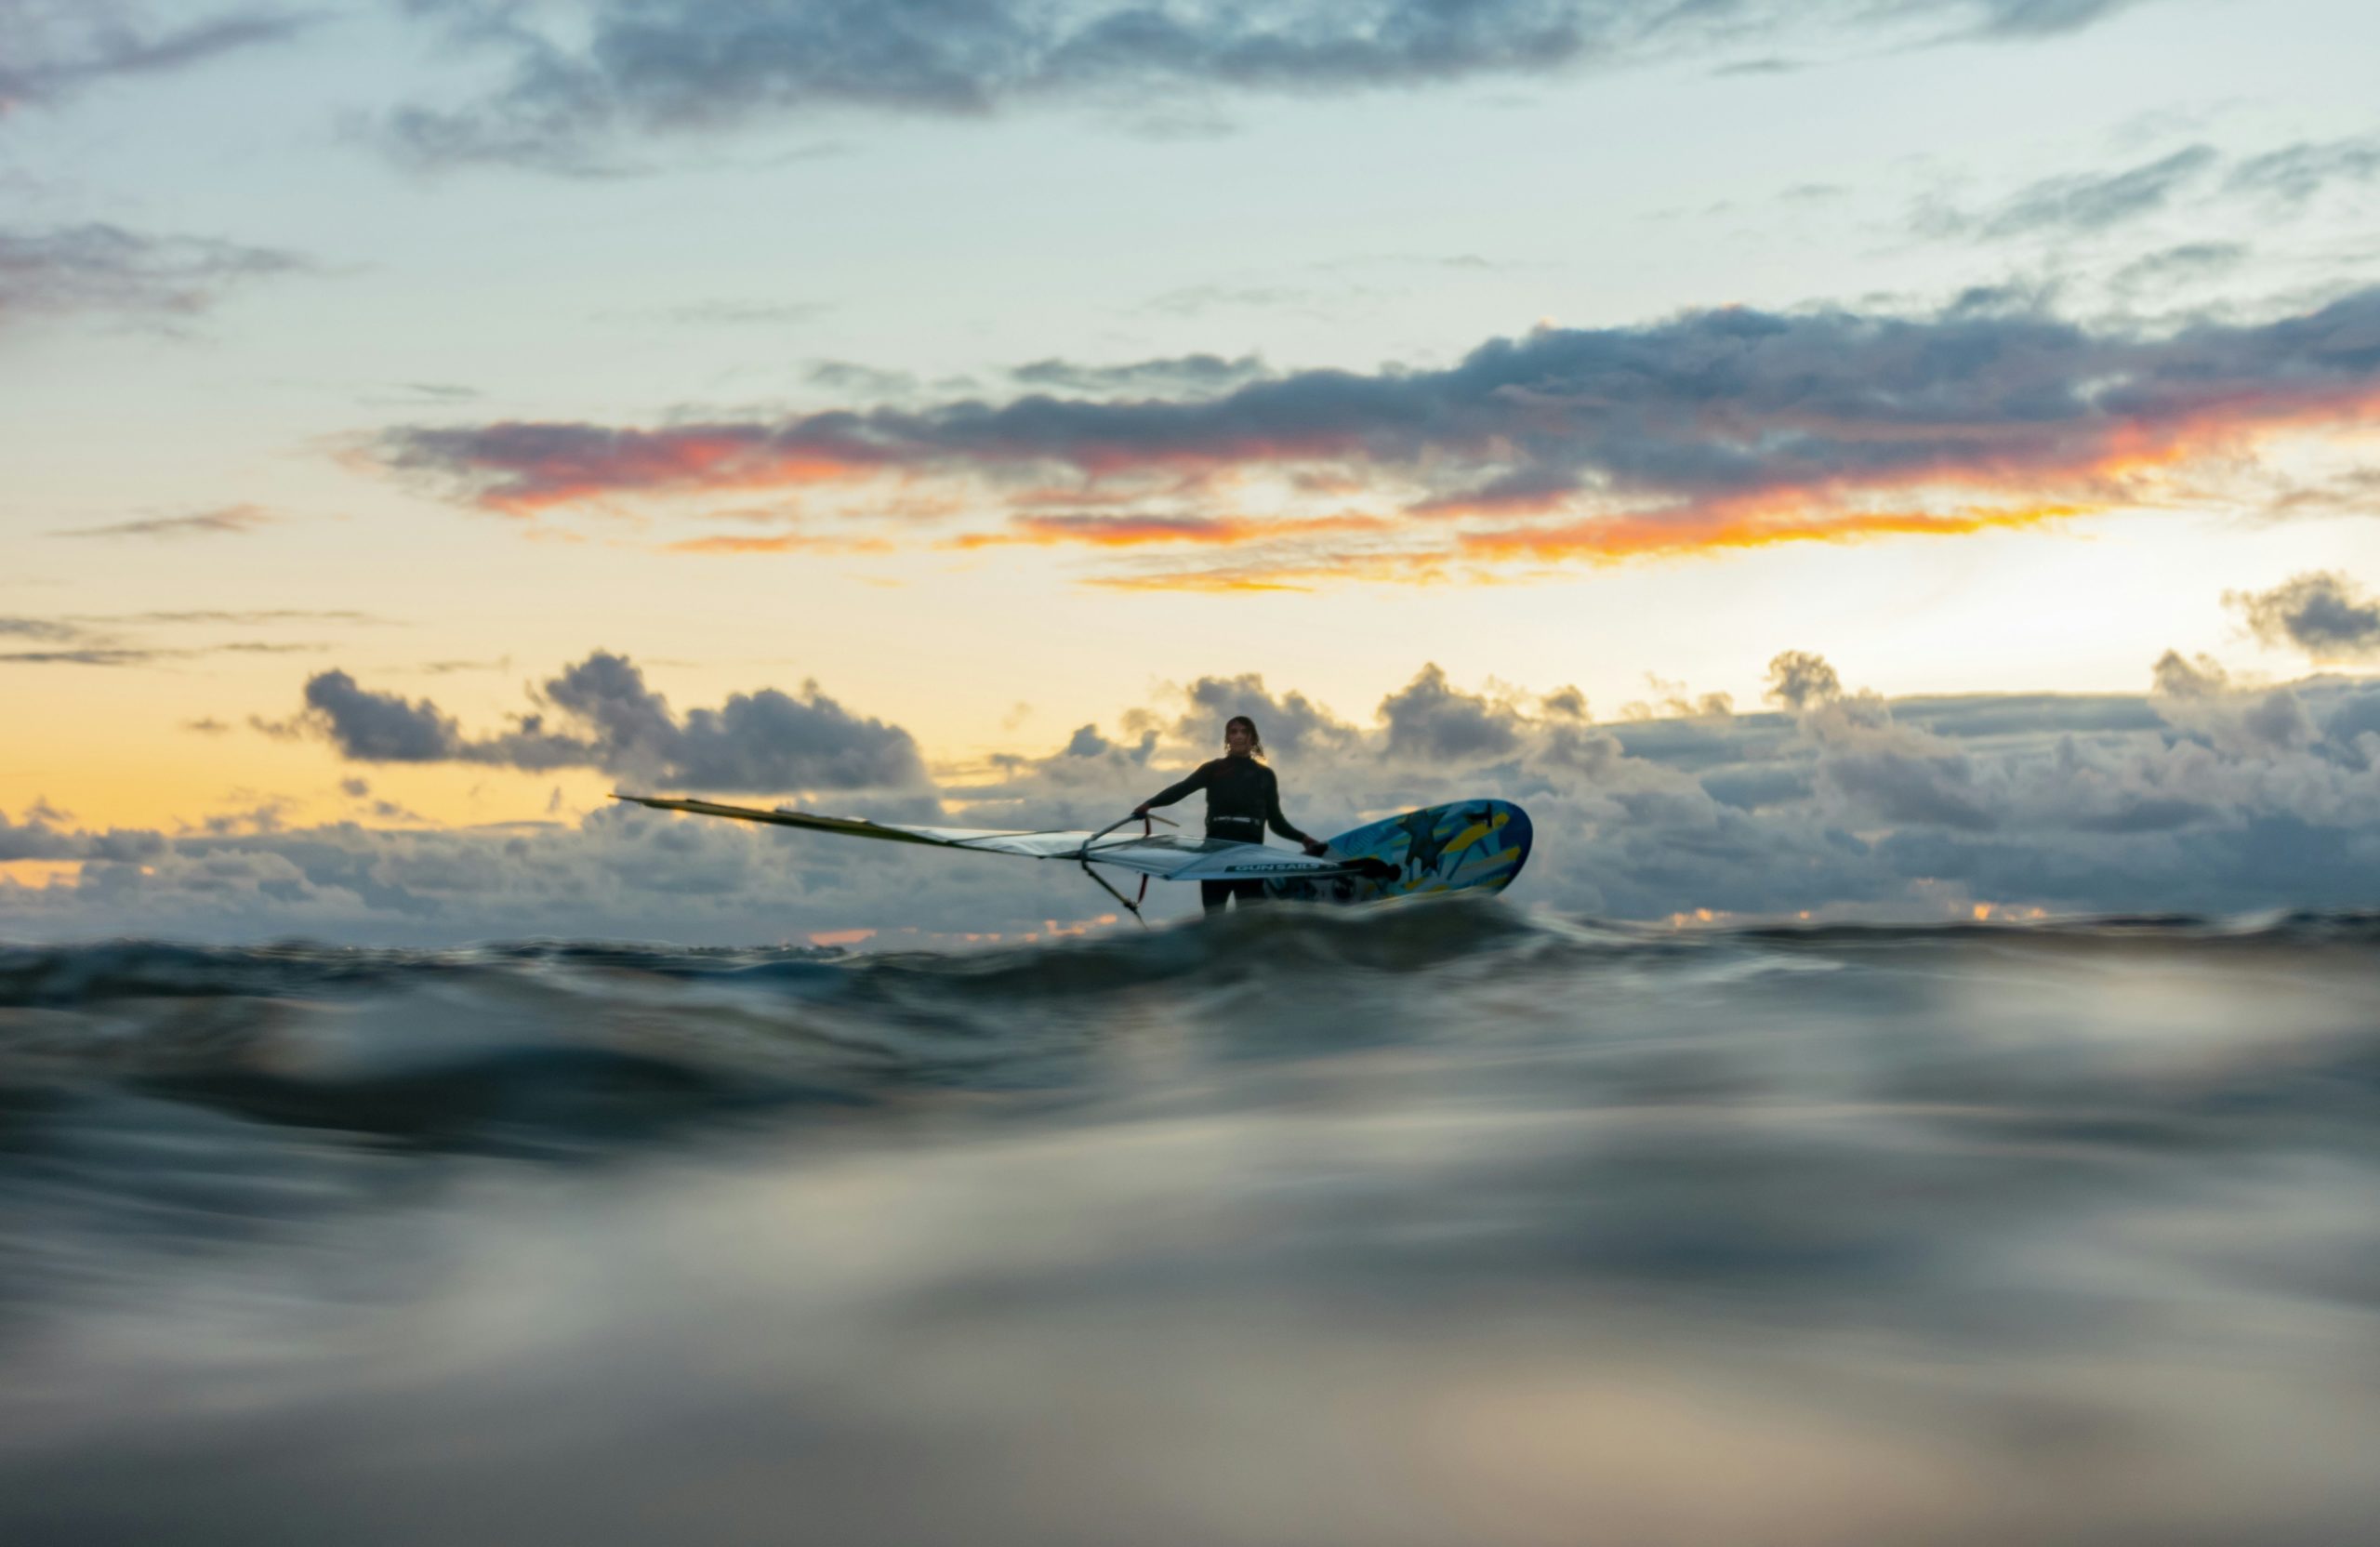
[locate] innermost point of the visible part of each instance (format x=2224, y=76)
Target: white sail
x=1166, y=857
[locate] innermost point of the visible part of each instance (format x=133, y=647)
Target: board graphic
x=1471, y=845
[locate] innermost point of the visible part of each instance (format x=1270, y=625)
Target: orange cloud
x=664, y=463
x=790, y=542
x=1763, y=525
x=1141, y=530
x=1728, y=429
x=1303, y=574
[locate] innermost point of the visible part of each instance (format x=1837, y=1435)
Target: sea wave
x=1443, y=1222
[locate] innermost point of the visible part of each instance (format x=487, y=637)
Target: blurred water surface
x=1440, y=1224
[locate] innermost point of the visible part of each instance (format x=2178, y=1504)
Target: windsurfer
x=1243, y=799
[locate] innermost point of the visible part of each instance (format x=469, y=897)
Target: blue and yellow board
x=1469, y=846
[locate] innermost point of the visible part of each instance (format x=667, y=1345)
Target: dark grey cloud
x=381, y=727
x=2080, y=203
x=105, y=267
x=677, y=65
x=90, y=655
x=2295, y=173
x=70, y=641
x=1800, y=680
x=2322, y=612
x=1852, y=805
x=48, y=630
x=230, y=520
x=41, y=836
x=50, y=50
x=1872, y=767
x=1183, y=376
x=600, y=713
x=2037, y=18
x=2200, y=796
x=597, y=70
x=448, y=668
x=2177, y=675
x=1976, y=716
x=845, y=375
x=1290, y=723
x=1750, y=787
x=2180, y=265
x=1702, y=745
x=1430, y=721
x=1699, y=416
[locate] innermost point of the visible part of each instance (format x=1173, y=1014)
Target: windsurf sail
x=1163, y=856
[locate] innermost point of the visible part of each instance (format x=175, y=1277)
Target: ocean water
x=1439, y=1225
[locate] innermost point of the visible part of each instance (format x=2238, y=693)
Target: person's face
x=1237, y=740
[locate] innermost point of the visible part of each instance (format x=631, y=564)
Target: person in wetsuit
x=1243, y=799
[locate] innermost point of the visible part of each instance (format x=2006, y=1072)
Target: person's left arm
x=1281, y=824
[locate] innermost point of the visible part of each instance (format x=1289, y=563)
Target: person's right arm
x=1170, y=793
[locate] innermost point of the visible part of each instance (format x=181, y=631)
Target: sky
x=1907, y=458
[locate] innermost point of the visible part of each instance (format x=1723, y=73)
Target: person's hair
x=1255, y=742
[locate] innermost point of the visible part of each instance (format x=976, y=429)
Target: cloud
x=1183, y=376
x=2199, y=795
x=2080, y=205
x=845, y=375
x=1874, y=768
x=728, y=313
x=51, y=50
x=1430, y=721
x=783, y=542
x=70, y=640
x=89, y=655
x=1800, y=681
x=1712, y=430
x=2038, y=19
x=448, y=668
x=48, y=630
x=246, y=618
x=380, y=727
x=2352, y=493
x=39, y=836
x=1196, y=300
x=1290, y=723
x=2180, y=265
x=2322, y=612
x=602, y=69
x=2294, y=174
x=1141, y=530
x=230, y=519
x=105, y=267
x=605, y=716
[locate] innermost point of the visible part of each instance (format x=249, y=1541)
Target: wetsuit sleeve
x=1198, y=780
x=1272, y=816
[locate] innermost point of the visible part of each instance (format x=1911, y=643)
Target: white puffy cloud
x=2202, y=795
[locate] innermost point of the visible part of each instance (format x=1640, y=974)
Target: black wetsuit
x=1243, y=799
